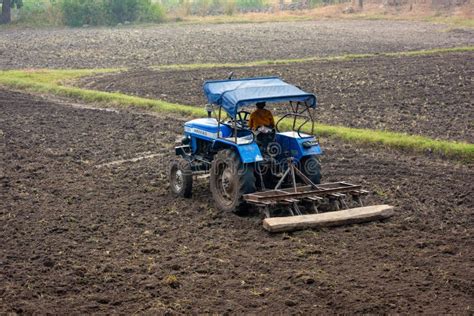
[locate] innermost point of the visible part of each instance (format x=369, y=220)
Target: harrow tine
x=266, y=211
x=314, y=200
x=336, y=194
x=291, y=211
x=293, y=206
x=315, y=208
x=356, y=195
x=343, y=203
x=297, y=209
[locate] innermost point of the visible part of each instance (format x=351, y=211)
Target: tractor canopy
x=232, y=94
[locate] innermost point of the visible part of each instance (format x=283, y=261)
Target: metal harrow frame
x=310, y=193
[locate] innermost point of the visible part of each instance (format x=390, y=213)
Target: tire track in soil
x=103, y=240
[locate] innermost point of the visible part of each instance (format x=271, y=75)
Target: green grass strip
x=416, y=143
x=49, y=83
x=28, y=81
x=346, y=57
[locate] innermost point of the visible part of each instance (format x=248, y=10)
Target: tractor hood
x=232, y=94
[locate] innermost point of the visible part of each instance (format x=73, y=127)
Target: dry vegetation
x=462, y=15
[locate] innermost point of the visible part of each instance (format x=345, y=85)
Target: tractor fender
x=248, y=153
x=310, y=151
x=298, y=147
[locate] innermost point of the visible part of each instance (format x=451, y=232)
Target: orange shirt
x=261, y=117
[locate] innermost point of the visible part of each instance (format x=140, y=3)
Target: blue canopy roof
x=232, y=94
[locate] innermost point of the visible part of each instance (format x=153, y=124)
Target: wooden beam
x=344, y=217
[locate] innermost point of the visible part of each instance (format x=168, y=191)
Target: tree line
x=91, y=12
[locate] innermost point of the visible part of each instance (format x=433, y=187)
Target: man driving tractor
x=261, y=117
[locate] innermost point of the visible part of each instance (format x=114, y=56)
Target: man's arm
x=252, y=121
x=272, y=124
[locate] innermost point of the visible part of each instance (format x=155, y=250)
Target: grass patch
x=49, y=81
x=51, y=77
x=416, y=143
x=346, y=57
x=433, y=51
x=451, y=20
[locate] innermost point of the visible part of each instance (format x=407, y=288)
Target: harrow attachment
x=307, y=204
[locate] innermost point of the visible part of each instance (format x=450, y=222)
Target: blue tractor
x=275, y=169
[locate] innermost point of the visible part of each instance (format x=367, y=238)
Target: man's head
x=260, y=105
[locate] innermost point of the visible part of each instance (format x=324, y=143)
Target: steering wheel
x=242, y=118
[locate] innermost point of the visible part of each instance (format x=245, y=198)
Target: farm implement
x=275, y=169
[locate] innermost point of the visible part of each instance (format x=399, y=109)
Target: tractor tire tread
x=246, y=181
x=185, y=166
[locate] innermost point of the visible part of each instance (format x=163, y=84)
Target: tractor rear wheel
x=230, y=180
x=311, y=168
x=181, y=178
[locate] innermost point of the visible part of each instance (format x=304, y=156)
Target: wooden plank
x=344, y=217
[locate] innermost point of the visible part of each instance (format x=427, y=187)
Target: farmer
x=261, y=117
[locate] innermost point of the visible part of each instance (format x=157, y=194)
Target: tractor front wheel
x=230, y=180
x=181, y=178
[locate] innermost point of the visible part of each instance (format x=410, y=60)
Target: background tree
x=7, y=6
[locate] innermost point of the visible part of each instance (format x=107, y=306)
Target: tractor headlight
x=185, y=140
x=310, y=143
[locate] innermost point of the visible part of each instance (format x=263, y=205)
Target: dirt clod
x=291, y=303
x=48, y=262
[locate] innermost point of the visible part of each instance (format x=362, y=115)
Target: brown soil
x=180, y=43
x=428, y=95
x=112, y=240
